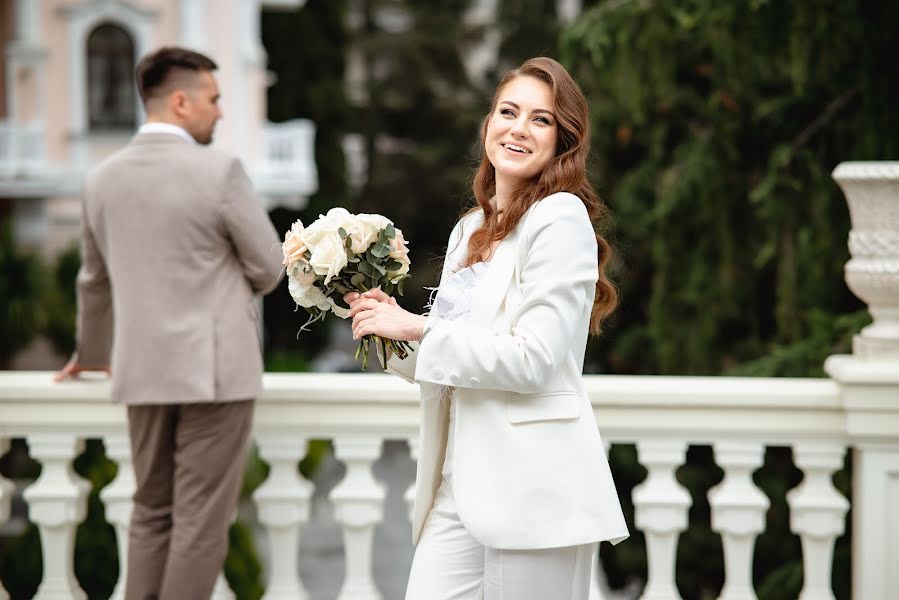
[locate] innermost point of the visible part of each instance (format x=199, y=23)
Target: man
x=175, y=248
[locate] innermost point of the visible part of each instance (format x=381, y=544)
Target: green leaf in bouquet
x=342, y=287
x=366, y=267
x=342, y=232
x=380, y=269
x=354, y=259
x=394, y=266
x=357, y=280
x=380, y=250
x=390, y=231
x=347, y=243
x=399, y=286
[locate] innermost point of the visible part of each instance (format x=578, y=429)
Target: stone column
x=869, y=377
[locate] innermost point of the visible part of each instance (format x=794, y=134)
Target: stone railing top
x=628, y=408
x=866, y=170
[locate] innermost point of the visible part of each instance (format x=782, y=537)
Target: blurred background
x=715, y=128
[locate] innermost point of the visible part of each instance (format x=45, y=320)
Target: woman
x=513, y=489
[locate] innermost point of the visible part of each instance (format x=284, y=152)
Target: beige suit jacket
x=175, y=246
x=529, y=466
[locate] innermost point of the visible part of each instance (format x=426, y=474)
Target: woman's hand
x=376, y=313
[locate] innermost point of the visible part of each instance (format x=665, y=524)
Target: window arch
x=111, y=90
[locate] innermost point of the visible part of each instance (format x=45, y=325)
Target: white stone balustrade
x=661, y=415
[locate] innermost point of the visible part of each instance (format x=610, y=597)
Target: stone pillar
x=869, y=377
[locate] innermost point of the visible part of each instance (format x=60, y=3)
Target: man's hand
x=73, y=369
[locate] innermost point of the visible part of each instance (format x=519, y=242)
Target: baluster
x=117, y=498
x=738, y=514
x=221, y=591
x=409, y=496
x=595, y=591
x=660, y=511
x=359, y=507
x=817, y=514
x=7, y=489
x=57, y=502
x=283, y=502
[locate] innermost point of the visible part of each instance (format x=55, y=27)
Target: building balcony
x=285, y=175
x=819, y=419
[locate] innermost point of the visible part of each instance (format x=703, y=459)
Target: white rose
x=362, y=235
x=341, y=312
x=403, y=270
x=307, y=296
x=293, y=246
x=398, y=247
x=325, y=225
x=328, y=256
x=400, y=253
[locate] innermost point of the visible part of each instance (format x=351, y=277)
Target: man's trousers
x=188, y=462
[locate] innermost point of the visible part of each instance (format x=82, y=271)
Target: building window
x=110, y=78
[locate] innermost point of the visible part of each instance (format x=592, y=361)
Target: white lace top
x=452, y=302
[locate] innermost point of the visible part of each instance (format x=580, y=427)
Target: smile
x=515, y=148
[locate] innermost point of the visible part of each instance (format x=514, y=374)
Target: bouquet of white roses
x=339, y=253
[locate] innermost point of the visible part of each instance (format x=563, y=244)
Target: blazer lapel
x=490, y=292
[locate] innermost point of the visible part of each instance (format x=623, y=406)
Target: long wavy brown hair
x=565, y=172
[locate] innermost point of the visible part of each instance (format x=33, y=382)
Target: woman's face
x=521, y=132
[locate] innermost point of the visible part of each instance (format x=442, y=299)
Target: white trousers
x=449, y=564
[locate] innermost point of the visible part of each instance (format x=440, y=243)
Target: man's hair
x=156, y=70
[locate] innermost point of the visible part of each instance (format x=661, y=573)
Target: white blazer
x=530, y=469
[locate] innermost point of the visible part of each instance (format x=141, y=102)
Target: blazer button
x=437, y=374
x=474, y=381
x=454, y=379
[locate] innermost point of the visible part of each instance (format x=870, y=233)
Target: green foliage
x=61, y=302
x=242, y=568
x=716, y=126
x=418, y=121
x=96, y=558
x=23, y=284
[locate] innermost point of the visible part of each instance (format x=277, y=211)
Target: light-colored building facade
x=68, y=100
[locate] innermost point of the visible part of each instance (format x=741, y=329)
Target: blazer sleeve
x=559, y=272
x=94, y=322
x=405, y=368
x=255, y=240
